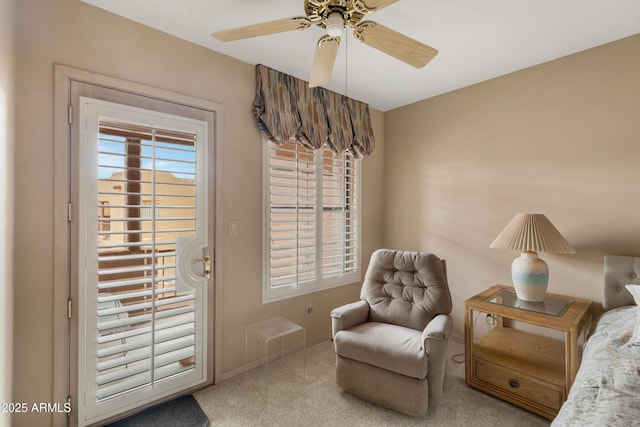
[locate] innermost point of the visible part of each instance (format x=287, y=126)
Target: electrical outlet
x=490, y=319
x=309, y=310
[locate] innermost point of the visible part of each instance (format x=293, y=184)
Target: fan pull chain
x=346, y=62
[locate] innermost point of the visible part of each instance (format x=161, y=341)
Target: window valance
x=288, y=110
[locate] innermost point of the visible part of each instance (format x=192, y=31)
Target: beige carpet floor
x=281, y=396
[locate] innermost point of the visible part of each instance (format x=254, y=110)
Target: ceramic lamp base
x=530, y=276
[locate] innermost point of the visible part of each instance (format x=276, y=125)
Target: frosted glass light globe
x=335, y=24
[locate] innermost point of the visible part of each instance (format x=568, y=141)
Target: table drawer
x=518, y=385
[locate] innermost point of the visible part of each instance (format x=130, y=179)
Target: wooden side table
x=513, y=358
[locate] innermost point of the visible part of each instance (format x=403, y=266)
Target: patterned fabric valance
x=288, y=110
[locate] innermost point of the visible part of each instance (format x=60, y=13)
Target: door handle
x=206, y=262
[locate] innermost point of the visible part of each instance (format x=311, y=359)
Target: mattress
x=606, y=391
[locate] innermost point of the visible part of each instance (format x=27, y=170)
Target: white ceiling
x=477, y=40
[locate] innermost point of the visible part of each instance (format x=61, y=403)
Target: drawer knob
x=514, y=383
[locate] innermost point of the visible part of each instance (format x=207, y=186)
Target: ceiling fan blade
x=395, y=44
x=263, y=29
x=323, y=60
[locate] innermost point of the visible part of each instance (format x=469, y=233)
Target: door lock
x=206, y=262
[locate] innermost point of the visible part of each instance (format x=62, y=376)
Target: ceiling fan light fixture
x=335, y=24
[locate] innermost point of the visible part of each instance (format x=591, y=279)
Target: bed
x=606, y=391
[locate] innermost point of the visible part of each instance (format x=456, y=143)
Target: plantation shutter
x=292, y=215
x=145, y=321
x=312, y=225
x=340, y=221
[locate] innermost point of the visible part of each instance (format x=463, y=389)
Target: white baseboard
x=457, y=338
x=272, y=357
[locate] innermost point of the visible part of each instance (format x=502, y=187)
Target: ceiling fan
x=334, y=16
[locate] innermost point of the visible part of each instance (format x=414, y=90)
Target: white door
x=145, y=260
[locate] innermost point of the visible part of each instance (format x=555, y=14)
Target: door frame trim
x=63, y=76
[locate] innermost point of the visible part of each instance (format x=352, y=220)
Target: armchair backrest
x=406, y=288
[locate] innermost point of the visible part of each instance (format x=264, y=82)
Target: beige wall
x=561, y=138
x=75, y=34
x=7, y=56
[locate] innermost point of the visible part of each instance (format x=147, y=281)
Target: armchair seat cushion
x=394, y=348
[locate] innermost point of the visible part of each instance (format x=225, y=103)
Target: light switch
x=233, y=228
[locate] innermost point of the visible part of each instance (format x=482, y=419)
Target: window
x=312, y=220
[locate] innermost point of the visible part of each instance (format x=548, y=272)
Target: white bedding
x=606, y=391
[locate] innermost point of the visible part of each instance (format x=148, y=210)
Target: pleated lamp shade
x=530, y=234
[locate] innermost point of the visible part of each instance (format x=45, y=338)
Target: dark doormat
x=181, y=412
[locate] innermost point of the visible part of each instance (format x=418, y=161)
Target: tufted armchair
x=391, y=346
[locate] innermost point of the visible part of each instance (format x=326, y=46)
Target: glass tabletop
x=274, y=328
x=552, y=306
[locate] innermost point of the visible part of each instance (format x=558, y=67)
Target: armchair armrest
x=438, y=329
x=348, y=316
x=435, y=338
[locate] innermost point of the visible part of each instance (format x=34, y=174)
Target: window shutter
x=292, y=215
x=145, y=325
x=312, y=220
x=340, y=206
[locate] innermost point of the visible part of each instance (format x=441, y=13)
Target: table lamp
x=530, y=234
